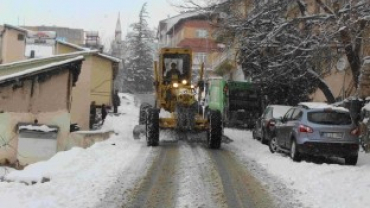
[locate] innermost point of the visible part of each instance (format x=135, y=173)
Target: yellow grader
x=176, y=101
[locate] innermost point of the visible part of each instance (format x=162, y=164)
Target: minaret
x=118, y=32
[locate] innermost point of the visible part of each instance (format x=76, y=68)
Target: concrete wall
x=102, y=81
x=95, y=83
x=12, y=48
x=48, y=102
x=9, y=133
x=337, y=82
x=45, y=96
x=63, y=49
x=80, y=109
x=86, y=139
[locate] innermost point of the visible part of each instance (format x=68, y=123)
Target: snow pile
x=78, y=177
x=42, y=128
x=128, y=118
x=101, y=175
x=316, y=185
x=320, y=105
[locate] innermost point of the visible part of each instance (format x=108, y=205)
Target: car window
x=288, y=115
x=329, y=118
x=279, y=111
x=267, y=110
x=297, y=114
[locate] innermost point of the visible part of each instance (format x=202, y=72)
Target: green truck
x=240, y=102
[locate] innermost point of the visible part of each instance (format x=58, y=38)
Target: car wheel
x=351, y=160
x=294, y=154
x=254, y=134
x=263, y=139
x=273, y=145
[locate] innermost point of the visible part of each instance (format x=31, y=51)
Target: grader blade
x=138, y=130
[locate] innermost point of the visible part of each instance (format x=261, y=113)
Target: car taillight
x=271, y=123
x=305, y=129
x=355, y=131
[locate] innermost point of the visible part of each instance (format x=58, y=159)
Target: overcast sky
x=85, y=14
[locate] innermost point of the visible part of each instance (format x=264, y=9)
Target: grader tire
x=215, y=130
x=142, y=113
x=152, y=127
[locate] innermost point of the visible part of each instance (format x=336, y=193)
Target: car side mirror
x=282, y=119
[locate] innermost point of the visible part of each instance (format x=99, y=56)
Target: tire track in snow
x=124, y=183
x=196, y=184
x=240, y=188
x=158, y=188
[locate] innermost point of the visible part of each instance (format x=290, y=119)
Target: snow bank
x=42, y=128
x=78, y=177
x=317, y=185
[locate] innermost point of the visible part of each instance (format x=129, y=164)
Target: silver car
x=317, y=129
x=265, y=125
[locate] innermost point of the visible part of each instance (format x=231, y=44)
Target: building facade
x=191, y=30
x=96, y=82
x=13, y=44
x=71, y=35
x=35, y=108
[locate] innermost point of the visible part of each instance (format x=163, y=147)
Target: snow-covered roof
x=320, y=105
x=16, y=28
x=73, y=45
x=111, y=58
x=13, y=67
x=170, y=22
x=77, y=47
x=38, y=70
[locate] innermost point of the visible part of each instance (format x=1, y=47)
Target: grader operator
x=176, y=100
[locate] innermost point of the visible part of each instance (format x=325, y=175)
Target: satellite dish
x=342, y=63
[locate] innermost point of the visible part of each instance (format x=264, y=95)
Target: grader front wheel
x=215, y=129
x=142, y=113
x=152, y=127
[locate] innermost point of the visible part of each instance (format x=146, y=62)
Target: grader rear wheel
x=215, y=130
x=152, y=127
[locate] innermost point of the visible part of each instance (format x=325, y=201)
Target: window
x=288, y=115
x=296, y=115
x=201, y=33
x=267, y=110
x=200, y=58
x=20, y=37
x=330, y=118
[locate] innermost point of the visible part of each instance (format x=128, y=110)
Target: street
x=124, y=172
x=187, y=174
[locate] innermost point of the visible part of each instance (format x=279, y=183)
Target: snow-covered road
x=122, y=172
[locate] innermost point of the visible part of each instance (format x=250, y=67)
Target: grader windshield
x=182, y=62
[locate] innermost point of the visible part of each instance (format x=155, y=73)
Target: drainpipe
x=1, y=44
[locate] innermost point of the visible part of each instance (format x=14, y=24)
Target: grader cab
x=176, y=100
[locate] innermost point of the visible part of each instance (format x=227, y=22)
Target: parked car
x=265, y=125
x=317, y=129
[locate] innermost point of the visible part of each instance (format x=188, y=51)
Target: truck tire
x=351, y=160
x=152, y=127
x=215, y=129
x=294, y=153
x=142, y=113
x=273, y=145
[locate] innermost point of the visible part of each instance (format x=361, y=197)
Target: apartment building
x=191, y=30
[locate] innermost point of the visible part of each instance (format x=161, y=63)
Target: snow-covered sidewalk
x=84, y=177
x=313, y=184
x=78, y=177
